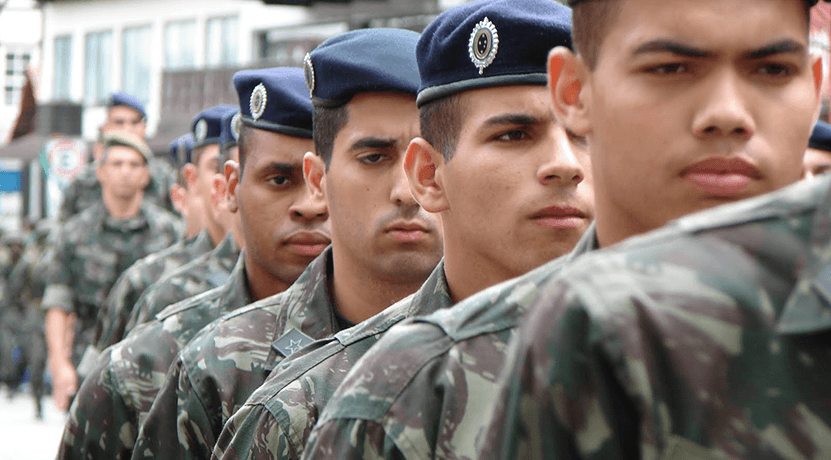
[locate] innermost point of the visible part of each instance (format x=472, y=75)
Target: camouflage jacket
x=132, y=283
x=84, y=191
x=91, y=251
x=113, y=401
x=204, y=273
x=217, y=371
x=276, y=420
x=707, y=340
x=418, y=391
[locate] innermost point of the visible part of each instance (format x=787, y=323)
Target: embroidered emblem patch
x=236, y=124
x=483, y=44
x=292, y=341
x=309, y=73
x=200, y=132
x=259, y=97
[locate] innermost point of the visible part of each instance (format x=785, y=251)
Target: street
x=23, y=437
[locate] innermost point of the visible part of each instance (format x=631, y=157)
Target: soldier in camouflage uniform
x=210, y=270
x=105, y=417
x=543, y=177
x=93, y=248
x=683, y=144
x=383, y=245
x=132, y=283
x=124, y=113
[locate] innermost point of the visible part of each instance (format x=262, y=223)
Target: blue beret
x=490, y=43
x=275, y=100
x=181, y=150
x=127, y=100
x=572, y=3
x=207, y=126
x=361, y=61
x=229, y=134
x=821, y=137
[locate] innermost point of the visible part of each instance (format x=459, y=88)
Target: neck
x=360, y=293
x=612, y=228
x=470, y=272
x=261, y=283
x=121, y=208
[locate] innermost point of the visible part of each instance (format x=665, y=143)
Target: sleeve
x=58, y=293
x=100, y=424
x=253, y=433
x=350, y=439
x=119, y=304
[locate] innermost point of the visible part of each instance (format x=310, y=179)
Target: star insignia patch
x=259, y=98
x=483, y=44
x=291, y=342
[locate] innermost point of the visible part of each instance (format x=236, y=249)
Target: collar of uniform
x=132, y=224
x=434, y=295
x=808, y=308
x=202, y=243
x=235, y=289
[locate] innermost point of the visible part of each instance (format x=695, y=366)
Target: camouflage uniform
x=276, y=420
x=407, y=397
x=132, y=283
x=709, y=339
x=113, y=401
x=217, y=371
x=84, y=191
x=91, y=251
x=204, y=273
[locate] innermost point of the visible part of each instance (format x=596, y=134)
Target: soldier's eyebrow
x=786, y=46
x=511, y=119
x=376, y=143
x=281, y=168
x=672, y=47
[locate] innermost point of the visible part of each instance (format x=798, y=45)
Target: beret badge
x=200, y=131
x=236, y=123
x=182, y=153
x=309, y=73
x=259, y=97
x=483, y=44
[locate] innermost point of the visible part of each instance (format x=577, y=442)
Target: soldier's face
x=283, y=231
x=123, y=118
x=376, y=222
x=694, y=104
x=517, y=191
x=815, y=163
x=123, y=172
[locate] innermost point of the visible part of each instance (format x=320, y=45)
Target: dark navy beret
x=490, y=43
x=821, y=137
x=275, y=100
x=229, y=135
x=207, y=126
x=127, y=100
x=361, y=61
x=181, y=150
x=575, y=2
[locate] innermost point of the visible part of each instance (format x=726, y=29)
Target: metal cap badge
x=309, y=73
x=483, y=44
x=259, y=97
x=200, y=132
x=236, y=124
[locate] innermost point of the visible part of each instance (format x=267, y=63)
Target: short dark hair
x=591, y=20
x=196, y=154
x=244, y=143
x=441, y=123
x=327, y=124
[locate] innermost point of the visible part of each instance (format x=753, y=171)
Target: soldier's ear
x=314, y=172
x=232, y=178
x=190, y=174
x=177, y=198
x=423, y=165
x=570, y=91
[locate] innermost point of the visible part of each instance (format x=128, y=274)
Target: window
x=221, y=46
x=63, y=59
x=99, y=66
x=180, y=44
x=15, y=78
x=135, y=75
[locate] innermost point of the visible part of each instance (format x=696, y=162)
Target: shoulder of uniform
x=189, y=304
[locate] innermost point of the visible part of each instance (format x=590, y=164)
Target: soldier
x=267, y=192
x=512, y=188
x=93, y=248
x=682, y=111
x=212, y=269
x=131, y=284
x=383, y=245
x=124, y=113
x=818, y=156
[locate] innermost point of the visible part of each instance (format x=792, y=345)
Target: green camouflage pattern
x=84, y=191
x=220, y=368
x=91, y=250
x=707, y=340
x=132, y=283
x=408, y=396
x=113, y=401
x=204, y=273
x=276, y=420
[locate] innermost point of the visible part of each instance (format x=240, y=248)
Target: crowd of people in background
x=531, y=231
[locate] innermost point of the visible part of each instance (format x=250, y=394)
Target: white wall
x=20, y=31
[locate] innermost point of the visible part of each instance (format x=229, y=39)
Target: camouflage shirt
x=707, y=340
x=84, y=191
x=91, y=251
x=113, y=401
x=418, y=390
x=204, y=273
x=132, y=283
x=276, y=420
x=217, y=371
